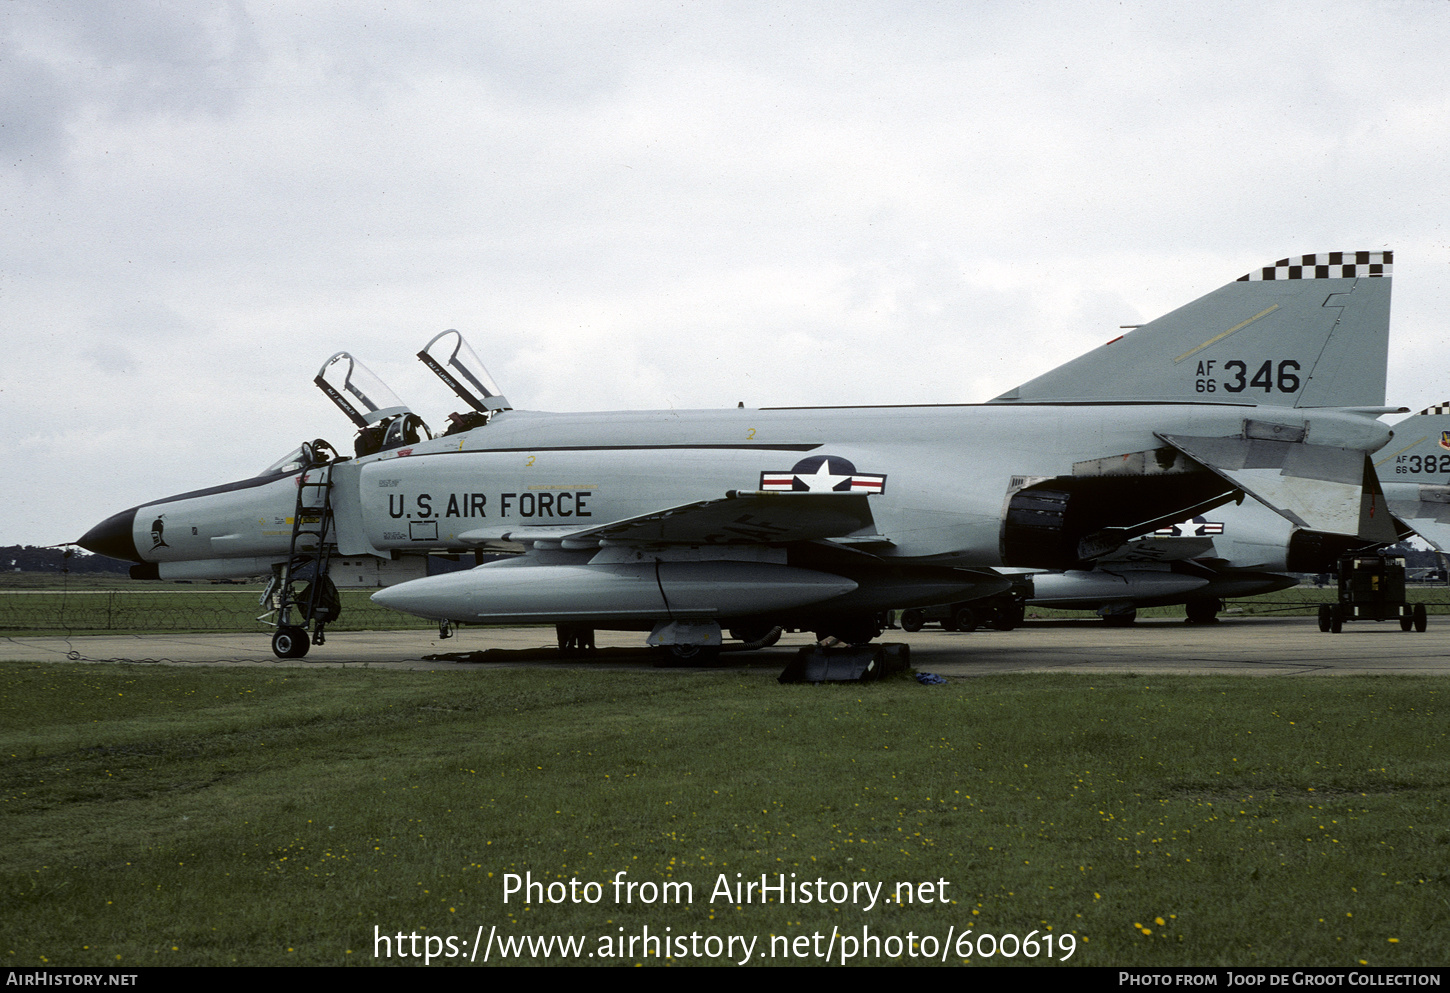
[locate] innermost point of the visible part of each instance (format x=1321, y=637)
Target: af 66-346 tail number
x=1271, y=376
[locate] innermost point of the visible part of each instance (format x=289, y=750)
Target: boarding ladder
x=309, y=556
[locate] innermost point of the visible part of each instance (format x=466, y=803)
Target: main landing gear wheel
x=912, y=620
x=1422, y=618
x=1326, y=618
x=290, y=642
x=964, y=619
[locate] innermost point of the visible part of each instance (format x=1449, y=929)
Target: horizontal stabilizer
x=1308, y=331
x=1436, y=533
x=1424, y=508
x=1318, y=487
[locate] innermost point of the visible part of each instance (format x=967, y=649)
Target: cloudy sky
x=643, y=205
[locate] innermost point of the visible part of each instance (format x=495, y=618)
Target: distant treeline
x=28, y=558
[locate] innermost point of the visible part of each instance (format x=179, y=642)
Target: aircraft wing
x=741, y=517
x=1318, y=487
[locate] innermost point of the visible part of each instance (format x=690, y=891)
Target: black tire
x=1326, y=615
x=290, y=642
x=1336, y=619
x=1407, y=620
x=912, y=620
x=964, y=619
x=1422, y=618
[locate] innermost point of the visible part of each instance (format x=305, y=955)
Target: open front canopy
x=362, y=396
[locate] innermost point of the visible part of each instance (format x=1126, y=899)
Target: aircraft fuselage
x=938, y=478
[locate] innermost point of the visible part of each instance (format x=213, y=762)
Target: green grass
x=214, y=816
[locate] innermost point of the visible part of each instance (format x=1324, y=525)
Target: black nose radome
x=113, y=537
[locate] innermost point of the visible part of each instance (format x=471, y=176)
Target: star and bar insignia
x=1196, y=528
x=823, y=474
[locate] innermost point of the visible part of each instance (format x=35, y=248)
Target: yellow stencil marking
x=1402, y=450
x=1217, y=339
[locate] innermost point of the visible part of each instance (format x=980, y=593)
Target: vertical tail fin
x=1415, y=469
x=1307, y=331
x=1420, y=450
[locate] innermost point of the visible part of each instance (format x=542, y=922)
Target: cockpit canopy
x=353, y=387
x=449, y=356
x=383, y=420
x=304, y=456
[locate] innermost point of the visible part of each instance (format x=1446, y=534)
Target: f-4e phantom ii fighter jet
x=687, y=524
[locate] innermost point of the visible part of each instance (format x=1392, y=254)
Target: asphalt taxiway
x=1245, y=646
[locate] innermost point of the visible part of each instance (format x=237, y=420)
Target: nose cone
x=436, y=597
x=113, y=537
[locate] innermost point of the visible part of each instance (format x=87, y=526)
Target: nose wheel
x=290, y=642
